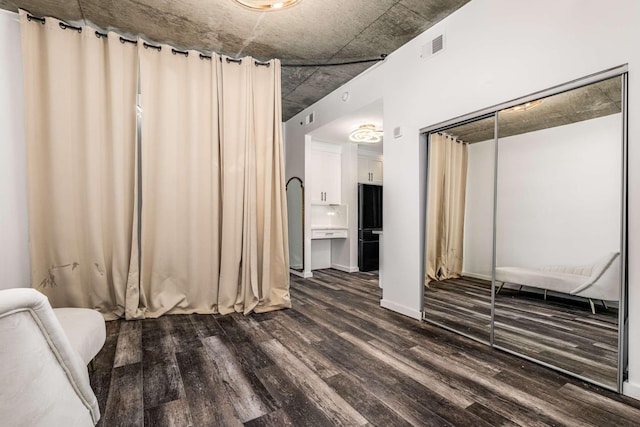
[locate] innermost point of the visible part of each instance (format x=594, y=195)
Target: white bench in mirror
x=599, y=280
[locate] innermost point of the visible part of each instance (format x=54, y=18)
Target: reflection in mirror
x=459, y=228
x=295, y=213
x=558, y=230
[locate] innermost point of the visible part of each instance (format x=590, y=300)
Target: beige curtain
x=80, y=93
x=271, y=199
x=213, y=220
x=445, y=207
x=180, y=188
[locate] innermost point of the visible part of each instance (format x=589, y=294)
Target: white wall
x=14, y=249
x=344, y=252
x=477, y=251
x=496, y=50
x=558, y=197
x=559, y=194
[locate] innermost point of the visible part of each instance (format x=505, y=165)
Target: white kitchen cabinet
x=369, y=170
x=325, y=177
x=330, y=233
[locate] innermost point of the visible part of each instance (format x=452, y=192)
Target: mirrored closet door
x=459, y=227
x=558, y=229
x=525, y=238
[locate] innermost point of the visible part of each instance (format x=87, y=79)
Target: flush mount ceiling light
x=267, y=5
x=366, y=133
x=526, y=106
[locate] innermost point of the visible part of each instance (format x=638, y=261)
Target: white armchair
x=43, y=361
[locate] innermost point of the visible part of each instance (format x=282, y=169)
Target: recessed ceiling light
x=526, y=106
x=266, y=5
x=366, y=133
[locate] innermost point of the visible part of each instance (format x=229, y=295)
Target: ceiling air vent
x=429, y=49
x=437, y=44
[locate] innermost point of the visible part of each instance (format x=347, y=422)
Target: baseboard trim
x=303, y=274
x=404, y=310
x=345, y=268
x=477, y=276
x=631, y=390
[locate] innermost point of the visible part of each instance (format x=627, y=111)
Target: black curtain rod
x=65, y=26
x=123, y=40
x=180, y=52
x=336, y=64
x=147, y=46
x=35, y=18
x=237, y=61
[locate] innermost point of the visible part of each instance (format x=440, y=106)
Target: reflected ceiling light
x=266, y=5
x=526, y=106
x=366, y=133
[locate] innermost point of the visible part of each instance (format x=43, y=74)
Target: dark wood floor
x=336, y=358
x=559, y=331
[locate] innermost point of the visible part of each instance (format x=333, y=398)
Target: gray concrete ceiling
x=314, y=31
x=584, y=103
x=338, y=131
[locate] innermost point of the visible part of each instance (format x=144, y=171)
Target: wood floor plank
x=162, y=381
x=314, y=360
x=414, y=371
x=248, y=405
x=102, y=366
x=100, y=384
x=538, y=404
x=241, y=336
x=125, y=404
x=590, y=414
x=556, y=330
x=389, y=386
x=272, y=419
x=337, y=358
x=631, y=414
x=129, y=347
x=112, y=328
x=491, y=417
x=157, y=342
x=184, y=333
x=330, y=402
x=251, y=328
x=292, y=400
x=205, y=325
x=171, y=414
x=367, y=404
x=208, y=405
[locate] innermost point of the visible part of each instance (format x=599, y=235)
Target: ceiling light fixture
x=267, y=5
x=366, y=133
x=526, y=106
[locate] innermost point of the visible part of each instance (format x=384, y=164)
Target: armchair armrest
x=44, y=381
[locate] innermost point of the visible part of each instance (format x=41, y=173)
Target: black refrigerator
x=369, y=220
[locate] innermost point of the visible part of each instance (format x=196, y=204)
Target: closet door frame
x=620, y=71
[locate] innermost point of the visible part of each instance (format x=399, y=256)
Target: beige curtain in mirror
x=213, y=224
x=445, y=207
x=80, y=97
